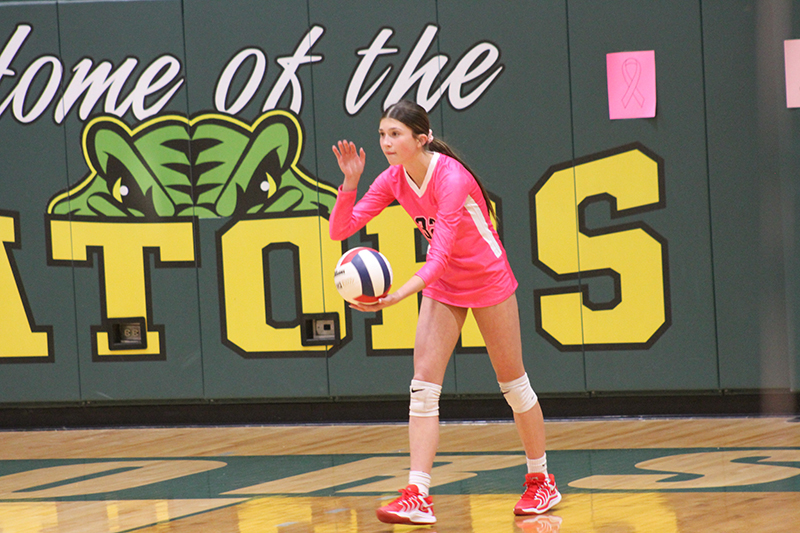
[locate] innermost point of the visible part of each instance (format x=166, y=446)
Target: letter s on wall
x=631, y=179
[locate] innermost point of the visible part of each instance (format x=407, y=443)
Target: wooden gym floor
x=617, y=476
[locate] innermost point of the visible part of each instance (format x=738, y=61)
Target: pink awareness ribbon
x=632, y=79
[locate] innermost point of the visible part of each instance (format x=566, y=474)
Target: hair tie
x=430, y=136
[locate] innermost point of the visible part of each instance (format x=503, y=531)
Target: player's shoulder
x=392, y=172
x=390, y=177
x=455, y=171
x=447, y=161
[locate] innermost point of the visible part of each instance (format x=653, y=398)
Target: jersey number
x=425, y=226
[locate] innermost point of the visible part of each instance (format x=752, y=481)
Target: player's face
x=398, y=141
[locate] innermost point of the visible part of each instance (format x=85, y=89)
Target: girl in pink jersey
x=466, y=268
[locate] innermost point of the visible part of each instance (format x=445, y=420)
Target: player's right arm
x=348, y=217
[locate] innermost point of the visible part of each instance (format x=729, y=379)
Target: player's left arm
x=412, y=286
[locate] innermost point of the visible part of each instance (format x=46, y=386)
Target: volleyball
x=363, y=276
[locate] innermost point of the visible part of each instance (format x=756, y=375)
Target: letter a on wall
x=20, y=339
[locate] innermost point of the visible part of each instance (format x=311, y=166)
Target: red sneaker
x=540, y=495
x=410, y=508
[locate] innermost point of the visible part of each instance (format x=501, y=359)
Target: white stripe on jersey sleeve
x=474, y=211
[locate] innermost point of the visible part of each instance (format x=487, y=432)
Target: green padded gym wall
x=166, y=179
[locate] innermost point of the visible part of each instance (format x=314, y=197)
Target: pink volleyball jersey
x=466, y=264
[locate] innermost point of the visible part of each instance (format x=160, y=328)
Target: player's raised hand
x=351, y=163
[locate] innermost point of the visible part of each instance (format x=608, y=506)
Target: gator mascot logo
x=207, y=166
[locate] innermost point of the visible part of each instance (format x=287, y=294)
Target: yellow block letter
x=123, y=244
x=18, y=335
x=245, y=326
x=633, y=254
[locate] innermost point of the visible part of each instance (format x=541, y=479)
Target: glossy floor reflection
x=673, y=476
x=602, y=513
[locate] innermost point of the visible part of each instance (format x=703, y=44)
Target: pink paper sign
x=791, y=55
x=631, y=84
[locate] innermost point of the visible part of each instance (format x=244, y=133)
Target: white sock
x=422, y=480
x=537, y=466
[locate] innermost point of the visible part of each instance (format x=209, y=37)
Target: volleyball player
x=466, y=268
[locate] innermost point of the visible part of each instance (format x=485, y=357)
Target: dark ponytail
x=416, y=118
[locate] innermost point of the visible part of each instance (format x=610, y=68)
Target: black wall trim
x=359, y=410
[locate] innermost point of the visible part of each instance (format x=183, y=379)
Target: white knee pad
x=519, y=394
x=424, y=398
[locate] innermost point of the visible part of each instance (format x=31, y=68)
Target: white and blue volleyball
x=363, y=276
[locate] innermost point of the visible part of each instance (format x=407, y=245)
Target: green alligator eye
x=268, y=185
x=117, y=191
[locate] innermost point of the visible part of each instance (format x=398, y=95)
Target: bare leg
x=499, y=325
x=438, y=329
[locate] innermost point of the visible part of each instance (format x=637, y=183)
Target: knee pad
x=519, y=394
x=424, y=398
